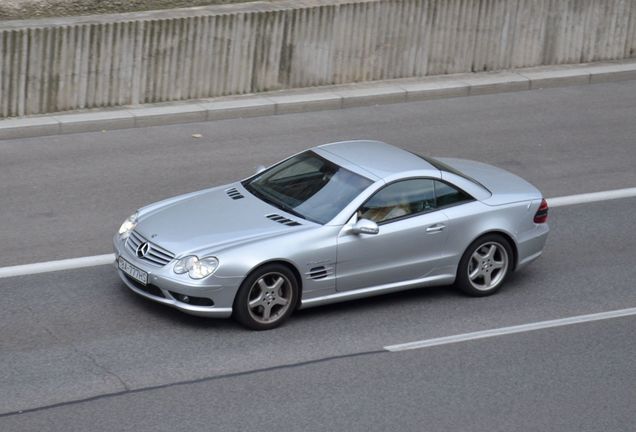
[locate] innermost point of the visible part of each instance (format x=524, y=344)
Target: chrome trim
x=142, y=250
x=154, y=254
x=320, y=272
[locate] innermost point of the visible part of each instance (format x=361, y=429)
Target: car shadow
x=369, y=305
x=404, y=298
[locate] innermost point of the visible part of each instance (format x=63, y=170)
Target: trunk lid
x=504, y=186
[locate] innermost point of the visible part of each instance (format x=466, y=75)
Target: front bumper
x=168, y=288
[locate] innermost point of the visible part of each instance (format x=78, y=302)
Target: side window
x=447, y=195
x=400, y=199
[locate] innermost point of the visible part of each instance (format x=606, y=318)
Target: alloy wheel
x=269, y=298
x=488, y=266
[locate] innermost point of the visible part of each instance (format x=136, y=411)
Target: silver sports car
x=337, y=222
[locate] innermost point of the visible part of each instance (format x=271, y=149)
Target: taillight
x=541, y=216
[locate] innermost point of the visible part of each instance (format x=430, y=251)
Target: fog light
x=192, y=300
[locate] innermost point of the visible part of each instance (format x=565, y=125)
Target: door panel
x=403, y=250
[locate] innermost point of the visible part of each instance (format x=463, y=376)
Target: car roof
x=378, y=158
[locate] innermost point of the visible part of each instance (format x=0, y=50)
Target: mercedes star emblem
x=143, y=249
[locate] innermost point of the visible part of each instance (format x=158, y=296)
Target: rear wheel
x=266, y=298
x=485, y=265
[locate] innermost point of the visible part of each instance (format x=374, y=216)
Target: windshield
x=308, y=186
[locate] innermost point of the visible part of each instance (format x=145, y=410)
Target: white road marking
x=75, y=263
x=511, y=330
x=592, y=197
x=51, y=266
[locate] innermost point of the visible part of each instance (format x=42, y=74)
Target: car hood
x=210, y=220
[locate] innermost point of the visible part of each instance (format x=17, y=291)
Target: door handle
x=435, y=228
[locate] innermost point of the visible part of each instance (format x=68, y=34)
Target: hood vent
x=281, y=219
x=319, y=272
x=234, y=194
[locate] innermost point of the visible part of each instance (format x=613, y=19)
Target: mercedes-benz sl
x=337, y=222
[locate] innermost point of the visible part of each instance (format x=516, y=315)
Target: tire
x=266, y=298
x=485, y=266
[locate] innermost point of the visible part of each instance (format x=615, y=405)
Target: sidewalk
x=318, y=98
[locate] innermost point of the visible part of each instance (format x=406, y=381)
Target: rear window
x=447, y=195
x=444, y=167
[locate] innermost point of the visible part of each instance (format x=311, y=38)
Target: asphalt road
x=79, y=352
x=64, y=196
x=503, y=384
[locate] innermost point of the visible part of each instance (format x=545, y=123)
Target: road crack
x=198, y=380
x=106, y=371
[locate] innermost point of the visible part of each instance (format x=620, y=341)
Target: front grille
x=156, y=254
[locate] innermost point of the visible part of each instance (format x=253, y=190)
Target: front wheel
x=266, y=298
x=485, y=265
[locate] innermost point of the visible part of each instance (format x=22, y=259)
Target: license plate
x=132, y=271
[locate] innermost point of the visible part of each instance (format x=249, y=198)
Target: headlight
x=128, y=225
x=195, y=267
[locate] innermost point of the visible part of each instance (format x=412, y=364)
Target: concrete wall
x=84, y=62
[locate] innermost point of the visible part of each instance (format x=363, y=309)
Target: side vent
x=281, y=219
x=319, y=272
x=234, y=193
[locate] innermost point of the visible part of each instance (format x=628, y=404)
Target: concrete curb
x=319, y=98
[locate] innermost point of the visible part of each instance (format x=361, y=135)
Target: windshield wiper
x=268, y=199
x=288, y=209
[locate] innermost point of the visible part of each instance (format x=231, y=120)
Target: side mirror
x=365, y=226
x=260, y=169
